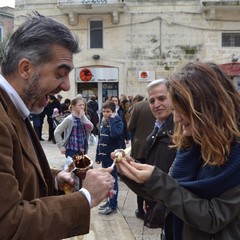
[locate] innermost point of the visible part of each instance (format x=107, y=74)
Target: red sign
x=231, y=69
x=146, y=76
x=96, y=74
x=85, y=75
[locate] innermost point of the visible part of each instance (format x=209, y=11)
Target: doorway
x=87, y=90
x=109, y=89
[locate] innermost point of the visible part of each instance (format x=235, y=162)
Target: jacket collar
x=26, y=135
x=17, y=101
x=167, y=127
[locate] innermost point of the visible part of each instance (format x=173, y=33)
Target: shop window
x=108, y=90
x=230, y=39
x=96, y=33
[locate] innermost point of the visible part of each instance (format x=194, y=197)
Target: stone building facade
x=6, y=22
x=6, y=26
x=126, y=43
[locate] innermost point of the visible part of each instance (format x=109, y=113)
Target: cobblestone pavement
x=122, y=225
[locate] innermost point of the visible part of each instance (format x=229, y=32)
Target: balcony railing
x=227, y=10
x=219, y=3
x=88, y=2
x=75, y=7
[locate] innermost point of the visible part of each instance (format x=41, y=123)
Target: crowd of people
x=56, y=110
x=146, y=123
x=185, y=145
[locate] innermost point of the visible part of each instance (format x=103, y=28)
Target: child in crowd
x=76, y=128
x=110, y=138
x=55, y=112
x=120, y=112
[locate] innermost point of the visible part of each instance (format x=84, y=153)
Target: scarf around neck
x=204, y=180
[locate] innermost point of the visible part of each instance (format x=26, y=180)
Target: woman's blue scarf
x=204, y=180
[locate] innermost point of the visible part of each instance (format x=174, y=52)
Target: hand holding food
x=136, y=171
x=82, y=163
x=118, y=155
x=78, y=167
x=68, y=188
x=104, y=181
x=65, y=181
x=128, y=167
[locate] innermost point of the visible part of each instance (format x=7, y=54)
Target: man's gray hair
x=34, y=39
x=155, y=83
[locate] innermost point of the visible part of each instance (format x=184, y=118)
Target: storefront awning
x=231, y=69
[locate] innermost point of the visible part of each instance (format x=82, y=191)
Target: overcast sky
x=4, y=3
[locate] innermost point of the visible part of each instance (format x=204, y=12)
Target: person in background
x=120, y=112
x=38, y=120
x=59, y=98
x=140, y=125
x=93, y=105
x=130, y=98
x=76, y=128
x=123, y=97
x=202, y=191
x=107, y=98
x=111, y=129
x=56, y=118
x=37, y=61
x=158, y=146
x=136, y=99
x=55, y=112
x=126, y=106
x=65, y=107
x=52, y=103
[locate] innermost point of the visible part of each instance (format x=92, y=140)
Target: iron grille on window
x=67, y=2
x=230, y=39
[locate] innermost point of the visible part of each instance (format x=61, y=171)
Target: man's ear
x=25, y=68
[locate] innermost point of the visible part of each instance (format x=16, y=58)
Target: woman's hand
x=136, y=171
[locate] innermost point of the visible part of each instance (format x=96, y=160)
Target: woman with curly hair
x=202, y=191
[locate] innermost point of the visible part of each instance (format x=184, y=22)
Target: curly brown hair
x=207, y=96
